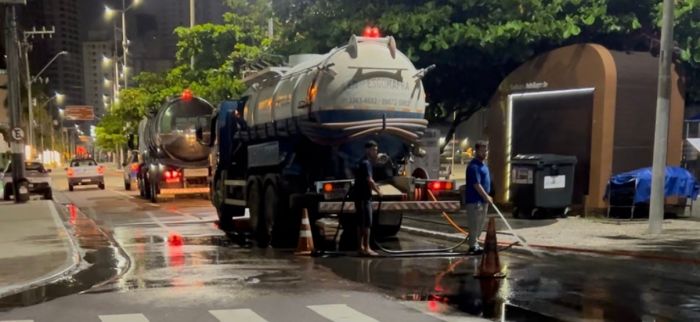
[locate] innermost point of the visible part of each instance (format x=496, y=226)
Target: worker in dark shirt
x=477, y=198
x=364, y=185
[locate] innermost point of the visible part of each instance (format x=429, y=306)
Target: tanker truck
x=292, y=141
x=173, y=161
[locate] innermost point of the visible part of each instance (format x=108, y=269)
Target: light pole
x=658, y=177
x=109, y=12
x=30, y=102
x=59, y=98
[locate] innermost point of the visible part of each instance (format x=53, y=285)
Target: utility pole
x=192, y=22
x=19, y=187
x=656, y=207
x=26, y=46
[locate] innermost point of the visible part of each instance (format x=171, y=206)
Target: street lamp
x=109, y=13
x=30, y=80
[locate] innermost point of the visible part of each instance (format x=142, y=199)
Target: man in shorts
x=362, y=196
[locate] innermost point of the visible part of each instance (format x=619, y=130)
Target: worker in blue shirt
x=362, y=196
x=476, y=196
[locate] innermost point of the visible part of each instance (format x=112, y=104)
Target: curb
x=73, y=260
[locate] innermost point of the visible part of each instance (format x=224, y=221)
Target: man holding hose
x=477, y=199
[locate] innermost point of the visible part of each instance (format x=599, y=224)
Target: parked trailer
x=174, y=162
x=294, y=138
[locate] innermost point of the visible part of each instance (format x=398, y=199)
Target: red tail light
x=438, y=185
x=328, y=187
x=70, y=172
x=101, y=170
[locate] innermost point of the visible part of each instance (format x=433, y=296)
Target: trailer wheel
x=255, y=200
x=154, y=192
x=224, y=212
x=280, y=225
x=385, y=231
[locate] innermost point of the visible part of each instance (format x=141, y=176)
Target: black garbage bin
x=541, y=184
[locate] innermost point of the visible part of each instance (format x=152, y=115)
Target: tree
x=476, y=43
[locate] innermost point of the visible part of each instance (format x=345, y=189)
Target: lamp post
x=58, y=97
x=30, y=102
x=109, y=12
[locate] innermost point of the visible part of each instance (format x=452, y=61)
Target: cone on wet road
x=490, y=266
x=306, y=242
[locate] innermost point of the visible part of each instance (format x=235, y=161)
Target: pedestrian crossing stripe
x=238, y=315
x=340, y=313
x=123, y=318
x=331, y=312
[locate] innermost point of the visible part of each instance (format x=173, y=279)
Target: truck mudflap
x=393, y=206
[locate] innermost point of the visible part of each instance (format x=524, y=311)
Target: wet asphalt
x=169, y=262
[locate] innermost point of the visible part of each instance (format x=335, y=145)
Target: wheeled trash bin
x=541, y=184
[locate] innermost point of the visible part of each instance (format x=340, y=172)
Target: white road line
x=123, y=318
x=181, y=222
x=154, y=204
x=238, y=315
x=340, y=313
x=156, y=220
x=17, y=321
x=122, y=193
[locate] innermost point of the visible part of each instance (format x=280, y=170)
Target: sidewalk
x=36, y=247
x=679, y=242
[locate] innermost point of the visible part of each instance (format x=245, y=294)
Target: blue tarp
x=679, y=183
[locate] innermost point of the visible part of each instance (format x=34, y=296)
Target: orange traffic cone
x=490, y=266
x=306, y=241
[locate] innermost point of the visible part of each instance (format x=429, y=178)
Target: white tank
x=362, y=88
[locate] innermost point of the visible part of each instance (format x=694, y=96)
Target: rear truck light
x=70, y=172
x=440, y=185
x=172, y=176
x=101, y=170
x=336, y=189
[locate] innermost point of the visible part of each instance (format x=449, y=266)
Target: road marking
x=154, y=204
x=156, y=220
x=238, y=315
x=181, y=222
x=123, y=318
x=17, y=321
x=340, y=313
x=122, y=193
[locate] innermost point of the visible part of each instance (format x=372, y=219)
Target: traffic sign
x=17, y=134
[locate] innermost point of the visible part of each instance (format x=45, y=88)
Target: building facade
x=98, y=75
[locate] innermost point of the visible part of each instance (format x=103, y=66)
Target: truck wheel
x=153, y=193
x=254, y=199
x=101, y=186
x=384, y=231
x=70, y=187
x=48, y=195
x=279, y=225
x=7, y=193
x=224, y=212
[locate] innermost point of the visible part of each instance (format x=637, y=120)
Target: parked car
x=85, y=172
x=39, y=181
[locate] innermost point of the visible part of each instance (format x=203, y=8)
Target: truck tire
x=70, y=187
x=101, y=186
x=48, y=195
x=153, y=192
x=255, y=205
x=224, y=211
x=279, y=227
x=7, y=192
x=385, y=231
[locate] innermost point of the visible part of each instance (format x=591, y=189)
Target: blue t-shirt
x=362, y=189
x=477, y=172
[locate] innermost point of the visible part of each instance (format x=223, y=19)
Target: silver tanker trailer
x=174, y=162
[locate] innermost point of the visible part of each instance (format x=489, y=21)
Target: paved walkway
x=680, y=240
x=36, y=247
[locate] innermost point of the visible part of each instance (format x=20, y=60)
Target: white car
x=85, y=172
x=39, y=181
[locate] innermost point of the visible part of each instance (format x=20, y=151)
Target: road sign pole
x=13, y=84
